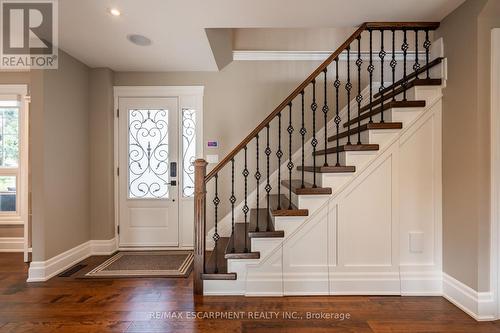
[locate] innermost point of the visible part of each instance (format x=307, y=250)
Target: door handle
x=172, y=183
x=173, y=169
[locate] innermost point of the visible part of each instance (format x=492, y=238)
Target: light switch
x=416, y=242
x=212, y=159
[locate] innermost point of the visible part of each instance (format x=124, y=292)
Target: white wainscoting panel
x=305, y=259
x=365, y=221
x=266, y=278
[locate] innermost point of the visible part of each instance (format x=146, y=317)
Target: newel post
x=200, y=193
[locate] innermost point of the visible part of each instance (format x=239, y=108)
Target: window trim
x=19, y=92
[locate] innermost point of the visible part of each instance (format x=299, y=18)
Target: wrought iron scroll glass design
x=148, y=154
x=188, y=151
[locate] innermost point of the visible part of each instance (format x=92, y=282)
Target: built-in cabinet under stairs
x=356, y=208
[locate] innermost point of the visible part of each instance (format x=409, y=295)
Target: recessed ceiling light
x=115, y=12
x=139, y=40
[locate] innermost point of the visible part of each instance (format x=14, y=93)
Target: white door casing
x=189, y=115
x=495, y=170
x=148, y=193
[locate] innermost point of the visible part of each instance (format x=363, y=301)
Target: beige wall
x=466, y=135
x=101, y=154
x=66, y=157
x=317, y=39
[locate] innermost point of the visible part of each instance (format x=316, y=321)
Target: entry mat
x=145, y=264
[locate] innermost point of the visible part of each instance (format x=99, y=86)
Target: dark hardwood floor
x=140, y=305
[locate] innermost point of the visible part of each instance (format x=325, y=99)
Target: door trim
x=188, y=97
x=495, y=171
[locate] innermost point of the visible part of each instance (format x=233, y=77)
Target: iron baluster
x=268, y=185
x=337, y=120
x=381, y=55
x=427, y=45
x=290, y=163
x=393, y=64
x=404, y=48
x=232, y=199
x=245, y=205
x=279, y=155
x=216, y=236
x=325, y=114
x=314, y=141
x=348, y=88
x=257, y=178
x=371, y=68
x=303, y=132
x=416, y=66
x=359, y=97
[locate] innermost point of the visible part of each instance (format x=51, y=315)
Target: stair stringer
x=415, y=278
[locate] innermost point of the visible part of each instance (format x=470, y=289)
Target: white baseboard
x=421, y=283
x=103, y=247
x=478, y=305
x=11, y=244
x=41, y=271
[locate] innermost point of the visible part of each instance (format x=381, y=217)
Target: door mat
x=145, y=264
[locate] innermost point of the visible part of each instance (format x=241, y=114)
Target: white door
x=148, y=191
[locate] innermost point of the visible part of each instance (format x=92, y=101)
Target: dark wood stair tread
x=237, y=242
x=266, y=225
x=216, y=259
x=285, y=207
x=308, y=189
x=365, y=127
x=328, y=169
x=390, y=94
x=388, y=105
x=363, y=147
x=410, y=76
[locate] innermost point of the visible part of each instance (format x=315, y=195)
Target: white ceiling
x=177, y=27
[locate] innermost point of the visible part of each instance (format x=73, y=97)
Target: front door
x=148, y=192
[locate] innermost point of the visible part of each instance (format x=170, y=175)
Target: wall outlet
x=416, y=242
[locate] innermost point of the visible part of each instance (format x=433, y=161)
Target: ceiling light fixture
x=115, y=12
x=139, y=40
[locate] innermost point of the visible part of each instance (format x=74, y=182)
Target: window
x=148, y=154
x=9, y=154
x=188, y=151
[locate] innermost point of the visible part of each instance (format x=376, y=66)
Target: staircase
x=337, y=146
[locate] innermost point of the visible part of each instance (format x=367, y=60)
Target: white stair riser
x=265, y=245
x=333, y=180
x=288, y=223
x=405, y=115
x=309, y=202
x=356, y=158
x=369, y=136
x=380, y=137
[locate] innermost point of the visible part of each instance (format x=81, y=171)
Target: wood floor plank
x=73, y=305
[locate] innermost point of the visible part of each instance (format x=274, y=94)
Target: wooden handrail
x=285, y=102
x=310, y=78
x=402, y=25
